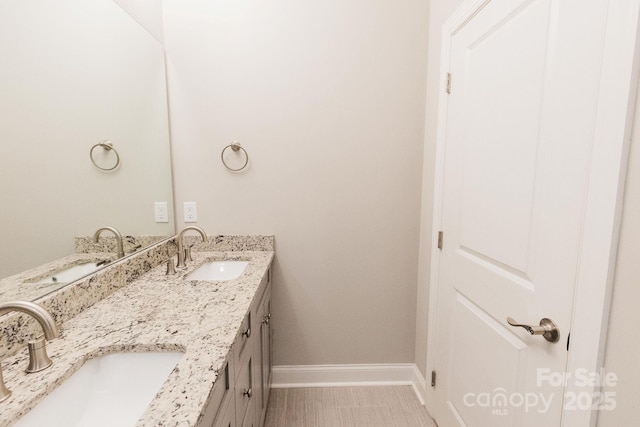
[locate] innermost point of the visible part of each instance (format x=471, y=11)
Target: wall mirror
x=74, y=73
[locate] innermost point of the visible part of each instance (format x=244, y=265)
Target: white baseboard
x=288, y=376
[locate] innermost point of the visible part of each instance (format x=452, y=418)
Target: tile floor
x=387, y=406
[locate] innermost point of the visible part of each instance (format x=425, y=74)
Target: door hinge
x=448, y=82
x=440, y=239
x=433, y=378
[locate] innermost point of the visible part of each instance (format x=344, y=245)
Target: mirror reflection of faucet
x=119, y=245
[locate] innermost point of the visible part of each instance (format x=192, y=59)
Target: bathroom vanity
x=240, y=397
x=221, y=327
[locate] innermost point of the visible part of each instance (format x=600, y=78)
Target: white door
x=519, y=131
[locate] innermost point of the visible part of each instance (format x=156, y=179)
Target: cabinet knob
x=248, y=393
x=247, y=333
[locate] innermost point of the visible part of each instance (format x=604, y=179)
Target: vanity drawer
x=246, y=340
x=243, y=343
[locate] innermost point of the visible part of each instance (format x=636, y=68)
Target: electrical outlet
x=162, y=212
x=190, y=212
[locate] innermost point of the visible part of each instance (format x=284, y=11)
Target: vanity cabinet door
x=244, y=393
x=221, y=398
x=250, y=417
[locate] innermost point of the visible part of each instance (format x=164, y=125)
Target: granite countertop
x=154, y=313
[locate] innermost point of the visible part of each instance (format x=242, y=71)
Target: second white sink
x=219, y=270
x=112, y=390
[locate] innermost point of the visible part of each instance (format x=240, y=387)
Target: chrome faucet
x=119, y=245
x=181, y=256
x=38, y=358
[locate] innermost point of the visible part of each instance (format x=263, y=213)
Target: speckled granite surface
x=64, y=303
x=230, y=243
x=107, y=243
x=24, y=286
x=154, y=312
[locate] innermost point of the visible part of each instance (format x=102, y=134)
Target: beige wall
x=623, y=345
x=328, y=99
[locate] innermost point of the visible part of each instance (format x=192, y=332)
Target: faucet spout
x=119, y=245
x=181, y=257
x=36, y=311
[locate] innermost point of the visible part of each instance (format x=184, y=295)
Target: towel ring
x=108, y=146
x=235, y=146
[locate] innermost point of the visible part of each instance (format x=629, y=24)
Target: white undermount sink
x=219, y=270
x=112, y=390
x=70, y=274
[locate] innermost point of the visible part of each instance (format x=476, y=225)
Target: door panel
x=499, y=152
x=518, y=139
x=495, y=349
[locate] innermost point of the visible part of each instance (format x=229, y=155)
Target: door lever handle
x=548, y=329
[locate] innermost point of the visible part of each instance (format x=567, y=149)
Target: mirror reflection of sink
x=219, y=270
x=70, y=274
x=112, y=390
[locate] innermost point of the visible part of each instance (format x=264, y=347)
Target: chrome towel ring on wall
x=235, y=146
x=108, y=146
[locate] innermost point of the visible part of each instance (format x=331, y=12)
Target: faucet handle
x=171, y=267
x=38, y=357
